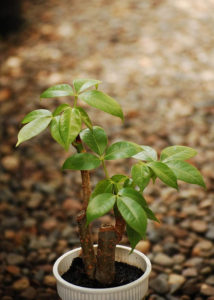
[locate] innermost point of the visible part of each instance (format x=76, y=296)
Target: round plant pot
x=135, y=290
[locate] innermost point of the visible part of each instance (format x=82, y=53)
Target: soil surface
x=124, y=274
x=156, y=58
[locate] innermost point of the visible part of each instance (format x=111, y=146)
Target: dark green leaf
x=69, y=125
x=177, y=153
x=165, y=174
x=129, y=183
x=81, y=161
x=85, y=117
x=122, y=149
x=148, y=154
x=119, y=178
x=82, y=84
x=54, y=127
x=141, y=175
x=60, y=109
x=58, y=90
x=95, y=139
x=186, y=172
x=35, y=114
x=103, y=102
x=32, y=129
x=150, y=214
x=133, y=214
x=133, y=236
x=103, y=186
x=99, y=206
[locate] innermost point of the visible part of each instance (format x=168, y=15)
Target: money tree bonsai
x=122, y=194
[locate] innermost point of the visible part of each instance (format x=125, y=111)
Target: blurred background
x=157, y=59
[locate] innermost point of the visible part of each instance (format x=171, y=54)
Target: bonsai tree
x=123, y=194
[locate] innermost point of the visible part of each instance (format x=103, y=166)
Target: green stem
x=75, y=101
x=105, y=169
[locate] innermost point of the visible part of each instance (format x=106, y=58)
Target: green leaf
x=133, y=236
x=186, y=172
x=103, y=186
x=32, y=129
x=141, y=175
x=35, y=114
x=99, y=206
x=119, y=178
x=54, y=128
x=133, y=214
x=122, y=149
x=95, y=139
x=148, y=154
x=165, y=174
x=177, y=153
x=129, y=183
x=58, y=90
x=81, y=161
x=103, y=102
x=69, y=125
x=82, y=84
x=85, y=117
x=60, y=109
x=136, y=196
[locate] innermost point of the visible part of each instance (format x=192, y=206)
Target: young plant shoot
x=69, y=126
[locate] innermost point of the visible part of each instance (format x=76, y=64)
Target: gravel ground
x=156, y=58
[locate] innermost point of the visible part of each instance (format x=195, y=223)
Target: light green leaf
x=103, y=102
x=122, y=149
x=35, y=114
x=135, y=195
x=32, y=129
x=85, y=117
x=119, y=178
x=141, y=175
x=60, y=109
x=54, y=128
x=58, y=90
x=95, y=139
x=81, y=161
x=177, y=153
x=186, y=172
x=133, y=236
x=165, y=174
x=133, y=214
x=69, y=125
x=103, y=186
x=99, y=206
x=82, y=84
x=148, y=154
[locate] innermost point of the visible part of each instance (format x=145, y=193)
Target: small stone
x=206, y=270
x=175, y=281
x=207, y=290
x=203, y=248
x=50, y=224
x=10, y=162
x=143, y=246
x=4, y=94
x=163, y=260
x=14, y=270
x=194, y=262
x=15, y=259
x=71, y=205
x=199, y=226
x=210, y=233
x=190, y=272
x=49, y=280
x=160, y=284
x=21, y=284
x=35, y=201
x=67, y=232
x=210, y=280
x=178, y=258
x=29, y=293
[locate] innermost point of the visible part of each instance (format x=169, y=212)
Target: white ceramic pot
x=135, y=290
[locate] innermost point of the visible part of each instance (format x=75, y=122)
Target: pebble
x=190, y=272
x=144, y=246
x=35, y=201
x=207, y=290
x=163, y=260
x=160, y=284
x=178, y=258
x=29, y=293
x=175, y=281
x=10, y=162
x=49, y=224
x=72, y=205
x=14, y=270
x=15, y=259
x=199, y=226
x=210, y=280
x=210, y=233
x=21, y=284
x=49, y=280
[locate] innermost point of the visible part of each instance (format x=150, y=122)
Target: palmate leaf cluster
x=120, y=192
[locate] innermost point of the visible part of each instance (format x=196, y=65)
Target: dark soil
x=124, y=274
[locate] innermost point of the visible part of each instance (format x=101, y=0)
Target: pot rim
x=102, y=290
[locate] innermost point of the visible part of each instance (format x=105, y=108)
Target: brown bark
x=86, y=188
x=88, y=255
x=105, y=271
x=120, y=225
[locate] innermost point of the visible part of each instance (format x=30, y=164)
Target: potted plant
x=120, y=194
